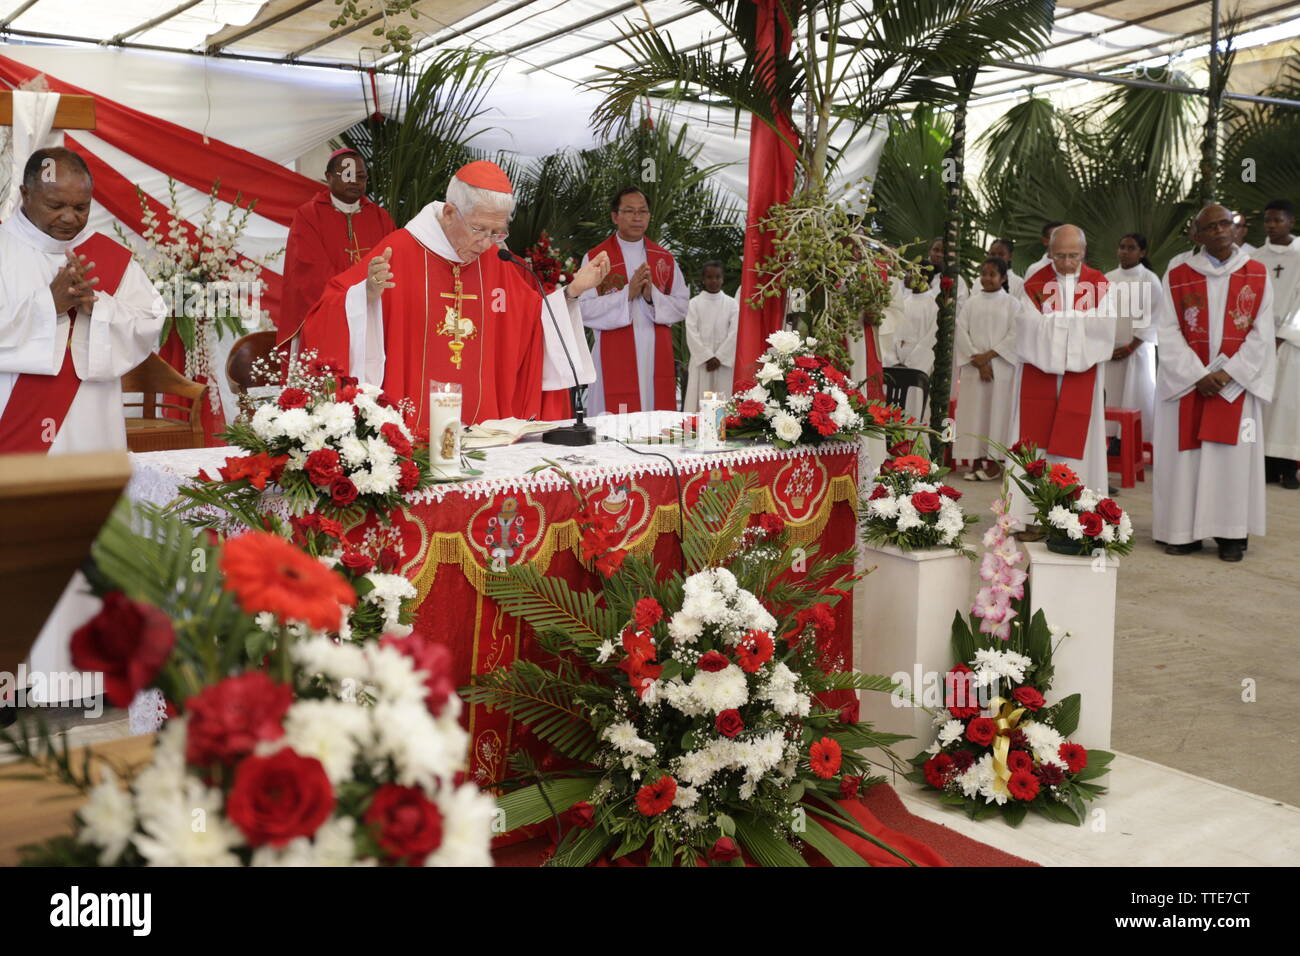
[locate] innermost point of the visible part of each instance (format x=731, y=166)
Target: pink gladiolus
x=990, y=605
x=994, y=537
x=1009, y=553
x=990, y=566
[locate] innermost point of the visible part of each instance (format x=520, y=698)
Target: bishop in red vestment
x=328, y=235
x=429, y=305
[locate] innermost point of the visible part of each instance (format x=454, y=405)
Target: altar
x=454, y=536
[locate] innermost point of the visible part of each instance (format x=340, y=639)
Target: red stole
x=618, y=347
x=37, y=400
x=1211, y=419
x=1056, y=421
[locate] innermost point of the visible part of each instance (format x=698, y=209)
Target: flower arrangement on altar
x=549, y=263
x=319, y=753
x=912, y=508
x=1077, y=520
x=688, y=708
x=1000, y=748
x=207, y=284
x=799, y=398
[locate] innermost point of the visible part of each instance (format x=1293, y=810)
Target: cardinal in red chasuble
x=328, y=235
x=434, y=302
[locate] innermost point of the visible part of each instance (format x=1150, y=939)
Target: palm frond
x=550, y=604
x=548, y=704
x=716, y=521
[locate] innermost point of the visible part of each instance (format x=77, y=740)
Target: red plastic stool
x=1129, y=460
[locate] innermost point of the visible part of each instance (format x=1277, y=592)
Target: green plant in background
x=397, y=37
x=1259, y=160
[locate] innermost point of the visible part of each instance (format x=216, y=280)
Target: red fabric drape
x=771, y=180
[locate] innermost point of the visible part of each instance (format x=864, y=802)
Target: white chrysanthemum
x=708, y=607
x=684, y=629
x=769, y=373
x=604, y=652
x=266, y=422
x=725, y=581
x=1058, y=517
x=799, y=404
x=842, y=416
x=334, y=661
x=333, y=844
x=296, y=423
x=1125, y=528
x=782, y=691
x=624, y=737
x=783, y=341
x=686, y=797
x=787, y=427
x=951, y=731
x=315, y=440
x=755, y=758
x=108, y=818
x=336, y=419
x=908, y=516
x=423, y=752
x=1087, y=500
x=353, y=450
x=1074, y=527
x=331, y=731
x=708, y=692
x=753, y=616
x=991, y=664
x=883, y=507
x=172, y=834
x=756, y=394
x=380, y=452
x=1107, y=534
x=467, y=818
x=395, y=675
x=1045, y=741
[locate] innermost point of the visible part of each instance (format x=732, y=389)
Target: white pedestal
x=1078, y=594
x=903, y=624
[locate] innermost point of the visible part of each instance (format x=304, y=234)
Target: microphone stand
x=579, y=433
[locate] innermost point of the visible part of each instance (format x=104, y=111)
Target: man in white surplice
x=1065, y=332
x=711, y=323
x=1216, y=373
x=644, y=294
x=1280, y=255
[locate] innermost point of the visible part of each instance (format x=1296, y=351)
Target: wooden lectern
x=51, y=509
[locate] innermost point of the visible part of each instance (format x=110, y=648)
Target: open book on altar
x=501, y=431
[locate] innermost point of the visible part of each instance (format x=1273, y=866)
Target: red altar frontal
x=459, y=538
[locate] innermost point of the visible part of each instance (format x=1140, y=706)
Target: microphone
x=579, y=433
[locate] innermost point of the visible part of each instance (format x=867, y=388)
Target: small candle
x=444, y=428
x=711, y=422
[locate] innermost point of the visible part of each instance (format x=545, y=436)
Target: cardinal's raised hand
x=590, y=275
x=380, y=276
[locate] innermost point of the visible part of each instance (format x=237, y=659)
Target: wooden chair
x=154, y=378
x=243, y=372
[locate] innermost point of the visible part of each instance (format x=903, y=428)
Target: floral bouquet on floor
x=1077, y=520
x=1000, y=748
x=800, y=398
x=912, y=509
x=319, y=754
x=687, y=709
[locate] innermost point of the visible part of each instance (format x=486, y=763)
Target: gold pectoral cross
x=455, y=324
x=354, y=251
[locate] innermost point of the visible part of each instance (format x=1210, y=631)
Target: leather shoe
x=1185, y=548
x=1291, y=481
x=1231, y=551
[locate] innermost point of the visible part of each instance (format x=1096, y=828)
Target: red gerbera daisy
x=798, y=382
x=269, y=574
x=1075, y=757
x=1020, y=760
x=654, y=798
x=754, y=650
x=1023, y=785
x=825, y=756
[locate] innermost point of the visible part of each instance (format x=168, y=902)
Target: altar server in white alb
x=1065, y=332
x=1280, y=256
x=1217, y=368
x=911, y=342
x=1131, y=371
x=76, y=313
x=985, y=350
x=1002, y=249
x=711, y=322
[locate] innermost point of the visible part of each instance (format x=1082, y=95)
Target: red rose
x=1028, y=697
x=825, y=757
x=293, y=398
x=949, y=492
x=408, y=824
x=434, y=660
x=280, y=797
x=712, y=662
x=724, y=850
x=229, y=719
x=937, y=770
x=409, y=479
x=647, y=613
x=798, y=382
x=901, y=449
x=849, y=786
x=926, y=502
x=1109, y=510
x=348, y=381
x=356, y=562
x=128, y=642
x=981, y=731
x=324, y=467
x=824, y=403
x=960, y=696
x=728, y=723
x=880, y=491
x=1020, y=761
x=343, y=492
x=749, y=409
x=346, y=394
x=1019, y=448
x=1076, y=494
x=822, y=422
x=1036, y=468
x=389, y=559
x=1075, y=757
x=1091, y=523
x=1023, y=785
x=771, y=524
x=581, y=815
x=654, y=798
x=754, y=650
x=396, y=440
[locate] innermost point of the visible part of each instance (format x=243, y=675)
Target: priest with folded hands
x=435, y=302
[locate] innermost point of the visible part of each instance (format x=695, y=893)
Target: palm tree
x=1259, y=155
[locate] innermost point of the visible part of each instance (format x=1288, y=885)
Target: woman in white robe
x=1131, y=371
x=985, y=350
x=1002, y=249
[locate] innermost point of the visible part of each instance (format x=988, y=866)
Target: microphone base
x=581, y=434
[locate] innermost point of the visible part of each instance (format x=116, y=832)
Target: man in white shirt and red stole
x=1216, y=374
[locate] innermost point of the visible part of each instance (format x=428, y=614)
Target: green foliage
x=716, y=521
x=538, y=803
x=549, y=702
x=1260, y=162
x=550, y=604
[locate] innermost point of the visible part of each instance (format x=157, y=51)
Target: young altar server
x=1216, y=373
x=1046, y=236
x=711, y=321
x=1002, y=249
x=76, y=314
x=1280, y=256
x=985, y=349
x=1131, y=371
x=911, y=344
